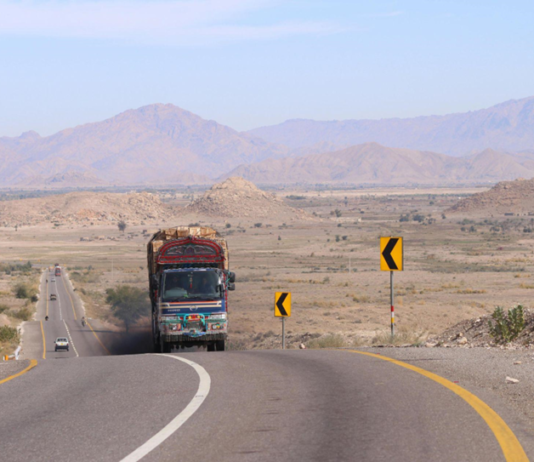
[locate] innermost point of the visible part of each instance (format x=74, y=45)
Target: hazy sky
x=248, y=63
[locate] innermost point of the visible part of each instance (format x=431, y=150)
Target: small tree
x=128, y=304
x=122, y=226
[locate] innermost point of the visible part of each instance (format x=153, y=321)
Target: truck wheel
x=164, y=347
x=220, y=345
x=157, y=346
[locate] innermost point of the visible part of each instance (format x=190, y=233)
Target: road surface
x=307, y=405
x=64, y=320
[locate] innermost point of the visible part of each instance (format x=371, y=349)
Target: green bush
x=24, y=290
x=3, y=308
x=508, y=326
x=24, y=314
x=7, y=333
x=128, y=304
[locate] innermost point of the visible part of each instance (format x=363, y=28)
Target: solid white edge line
x=180, y=419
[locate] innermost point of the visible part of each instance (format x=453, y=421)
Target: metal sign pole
x=392, y=295
x=283, y=333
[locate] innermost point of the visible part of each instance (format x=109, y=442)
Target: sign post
x=391, y=259
x=282, y=309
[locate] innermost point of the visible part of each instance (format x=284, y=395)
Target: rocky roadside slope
x=476, y=333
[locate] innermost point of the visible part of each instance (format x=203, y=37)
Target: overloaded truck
x=189, y=280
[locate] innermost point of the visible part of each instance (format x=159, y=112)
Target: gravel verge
x=8, y=368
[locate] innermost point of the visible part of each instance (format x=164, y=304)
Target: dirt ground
x=456, y=267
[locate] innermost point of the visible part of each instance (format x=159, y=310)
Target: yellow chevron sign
x=391, y=254
x=282, y=304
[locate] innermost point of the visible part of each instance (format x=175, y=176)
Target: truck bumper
x=199, y=337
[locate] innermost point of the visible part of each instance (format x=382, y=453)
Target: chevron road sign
x=391, y=254
x=391, y=259
x=282, y=309
x=282, y=304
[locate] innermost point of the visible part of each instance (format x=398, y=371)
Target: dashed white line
x=180, y=419
x=70, y=339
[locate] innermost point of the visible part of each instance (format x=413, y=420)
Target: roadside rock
x=476, y=333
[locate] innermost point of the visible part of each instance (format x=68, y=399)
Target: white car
x=53, y=279
x=62, y=343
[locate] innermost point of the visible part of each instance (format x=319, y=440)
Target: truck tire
x=164, y=347
x=220, y=345
x=211, y=346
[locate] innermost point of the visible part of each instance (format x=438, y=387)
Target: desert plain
x=321, y=244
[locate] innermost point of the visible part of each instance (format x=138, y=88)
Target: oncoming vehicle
x=53, y=297
x=62, y=343
x=53, y=280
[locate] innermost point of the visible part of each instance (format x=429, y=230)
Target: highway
x=309, y=405
x=64, y=320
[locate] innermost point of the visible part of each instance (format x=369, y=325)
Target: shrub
x=24, y=314
x=228, y=225
x=24, y=290
x=258, y=225
x=122, y=226
x=328, y=341
x=7, y=333
x=128, y=304
x=3, y=308
x=507, y=326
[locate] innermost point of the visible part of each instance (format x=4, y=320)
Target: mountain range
x=372, y=163
x=507, y=126
x=164, y=144
x=147, y=145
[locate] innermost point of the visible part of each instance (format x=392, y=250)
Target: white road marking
x=70, y=339
x=59, y=302
x=180, y=419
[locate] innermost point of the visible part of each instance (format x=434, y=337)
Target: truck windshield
x=191, y=285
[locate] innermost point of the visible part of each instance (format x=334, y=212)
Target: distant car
x=53, y=279
x=62, y=343
x=53, y=297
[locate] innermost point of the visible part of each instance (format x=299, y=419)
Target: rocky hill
x=508, y=126
x=515, y=197
x=81, y=208
x=239, y=198
x=136, y=146
x=372, y=163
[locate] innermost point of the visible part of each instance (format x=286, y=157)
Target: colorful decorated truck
x=189, y=282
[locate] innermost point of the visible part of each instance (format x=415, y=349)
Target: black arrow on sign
x=387, y=253
x=280, y=304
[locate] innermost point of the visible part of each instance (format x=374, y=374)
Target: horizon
x=254, y=63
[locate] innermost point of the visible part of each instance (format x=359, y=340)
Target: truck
x=189, y=280
x=57, y=269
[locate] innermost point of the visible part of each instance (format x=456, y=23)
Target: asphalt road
x=64, y=320
x=273, y=405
